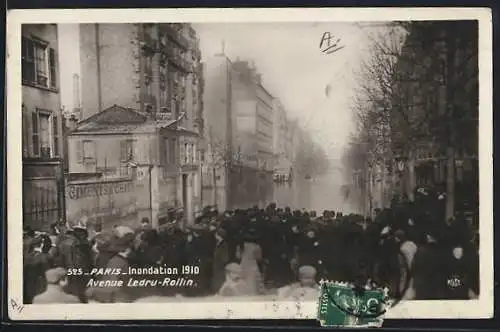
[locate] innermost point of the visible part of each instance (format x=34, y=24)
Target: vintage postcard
x=332, y=164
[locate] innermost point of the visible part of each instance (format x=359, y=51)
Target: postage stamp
x=345, y=305
x=219, y=163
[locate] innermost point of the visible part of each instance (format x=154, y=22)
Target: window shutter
x=55, y=134
x=123, y=151
x=79, y=152
x=183, y=153
x=173, y=152
x=36, y=142
x=194, y=154
x=164, y=151
x=52, y=68
x=130, y=150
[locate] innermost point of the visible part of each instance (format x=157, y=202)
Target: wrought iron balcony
x=177, y=59
x=174, y=31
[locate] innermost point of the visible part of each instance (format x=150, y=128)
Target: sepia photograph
x=231, y=167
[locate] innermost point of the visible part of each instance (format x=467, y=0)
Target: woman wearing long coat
x=251, y=256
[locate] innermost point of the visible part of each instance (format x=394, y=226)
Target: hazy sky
x=292, y=65
x=69, y=61
x=296, y=71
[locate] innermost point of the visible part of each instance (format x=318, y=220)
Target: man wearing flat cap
x=306, y=289
x=57, y=281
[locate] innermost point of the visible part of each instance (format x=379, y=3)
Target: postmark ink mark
x=344, y=304
x=329, y=44
x=16, y=306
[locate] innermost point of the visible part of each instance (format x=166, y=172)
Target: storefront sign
x=80, y=191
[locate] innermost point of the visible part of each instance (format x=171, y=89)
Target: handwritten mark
x=327, y=44
x=16, y=306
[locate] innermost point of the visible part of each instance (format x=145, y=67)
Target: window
x=55, y=134
x=183, y=154
x=193, y=154
x=89, y=152
x=52, y=68
x=45, y=134
x=187, y=157
x=126, y=151
x=167, y=150
x=39, y=63
x=173, y=151
x=148, y=75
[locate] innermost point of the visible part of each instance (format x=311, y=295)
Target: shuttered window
x=89, y=152
x=55, y=134
x=126, y=150
x=52, y=68
x=173, y=152
x=28, y=60
x=79, y=152
x=35, y=138
x=38, y=63
x=167, y=152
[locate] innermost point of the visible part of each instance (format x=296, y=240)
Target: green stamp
x=344, y=305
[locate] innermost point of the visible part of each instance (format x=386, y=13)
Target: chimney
x=77, y=107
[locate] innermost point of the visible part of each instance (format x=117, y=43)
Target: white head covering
x=386, y=230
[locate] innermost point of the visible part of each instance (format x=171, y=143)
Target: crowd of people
x=408, y=248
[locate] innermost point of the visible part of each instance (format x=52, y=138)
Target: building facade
x=439, y=82
x=146, y=80
x=282, y=143
x=43, y=153
x=239, y=117
x=218, y=121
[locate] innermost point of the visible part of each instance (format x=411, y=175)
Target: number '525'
x=75, y=272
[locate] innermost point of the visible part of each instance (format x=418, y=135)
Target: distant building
x=282, y=143
x=147, y=81
x=43, y=186
x=218, y=120
x=239, y=117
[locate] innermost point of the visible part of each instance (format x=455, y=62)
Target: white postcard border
x=242, y=309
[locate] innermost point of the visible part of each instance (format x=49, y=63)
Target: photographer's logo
x=454, y=282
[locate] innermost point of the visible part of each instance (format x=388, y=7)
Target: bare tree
x=414, y=94
x=221, y=157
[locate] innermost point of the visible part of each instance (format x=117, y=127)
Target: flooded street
x=318, y=194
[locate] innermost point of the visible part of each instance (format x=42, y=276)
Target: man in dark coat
x=309, y=251
x=194, y=250
x=74, y=252
x=427, y=270
x=220, y=259
x=37, y=261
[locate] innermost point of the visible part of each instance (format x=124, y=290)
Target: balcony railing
x=177, y=59
x=174, y=31
x=148, y=42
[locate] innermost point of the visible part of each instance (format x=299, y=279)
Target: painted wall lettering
x=80, y=191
